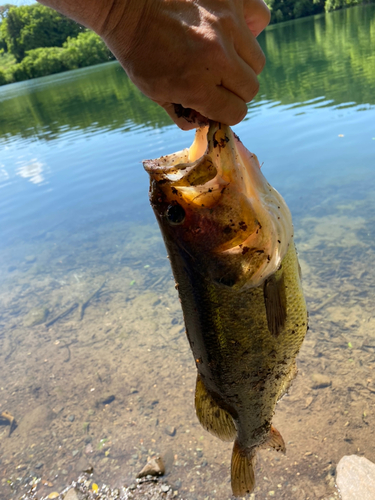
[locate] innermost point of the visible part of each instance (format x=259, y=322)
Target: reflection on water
x=95, y=365
x=32, y=170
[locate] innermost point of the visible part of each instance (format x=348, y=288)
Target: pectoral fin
x=275, y=302
x=213, y=418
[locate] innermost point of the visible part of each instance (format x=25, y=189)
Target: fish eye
x=175, y=214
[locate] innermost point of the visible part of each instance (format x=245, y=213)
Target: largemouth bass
x=229, y=237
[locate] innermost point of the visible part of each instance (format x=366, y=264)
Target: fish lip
x=157, y=168
x=182, y=160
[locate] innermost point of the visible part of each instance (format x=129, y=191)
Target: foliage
x=3, y=45
x=284, y=10
x=40, y=62
x=6, y=61
x=85, y=50
x=4, y=10
x=32, y=26
x=339, y=4
x=3, y=79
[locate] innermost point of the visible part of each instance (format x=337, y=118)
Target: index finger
x=218, y=104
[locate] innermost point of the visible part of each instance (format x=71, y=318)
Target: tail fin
x=243, y=463
x=242, y=473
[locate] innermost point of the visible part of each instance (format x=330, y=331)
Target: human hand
x=199, y=59
x=201, y=55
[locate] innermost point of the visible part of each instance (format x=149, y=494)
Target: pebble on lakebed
x=154, y=467
x=320, y=381
x=170, y=430
x=83, y=489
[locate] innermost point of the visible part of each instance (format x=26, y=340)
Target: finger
x=240, y=79
x=257, y=15
x=249, y=49
x=185, y=118
x=220, y=105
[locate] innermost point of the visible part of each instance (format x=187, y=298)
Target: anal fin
x=213, y=418
x=275, y=441
x=242, y=471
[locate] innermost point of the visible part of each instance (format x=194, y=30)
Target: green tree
x=32, y=26
x=4, y=10
x=3, y=13
x=40, y=62
x=3, y=79
x=284, y=10
x=340, y=4
x=86, y=49
x=3, y=44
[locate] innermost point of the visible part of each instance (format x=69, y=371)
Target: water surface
x=88, y=305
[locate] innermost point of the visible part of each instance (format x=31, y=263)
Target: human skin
x=198, y=59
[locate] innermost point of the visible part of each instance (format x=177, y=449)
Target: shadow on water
x=95, y=366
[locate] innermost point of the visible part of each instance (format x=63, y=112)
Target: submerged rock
x=38, y=418
x=170, y=430
x=36, y=316
x=155, y=467
x=320, y=381
x=106, y=399
x=355, y=478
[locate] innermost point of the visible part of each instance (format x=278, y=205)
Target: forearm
x=94, y=14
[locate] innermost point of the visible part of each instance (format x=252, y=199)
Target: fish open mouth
x=237, y=213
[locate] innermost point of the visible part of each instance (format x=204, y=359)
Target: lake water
x=88, y=308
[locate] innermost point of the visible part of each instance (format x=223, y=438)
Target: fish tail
x=242, y=470
x=243, y=463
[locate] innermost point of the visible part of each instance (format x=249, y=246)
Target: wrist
x=120, y=24
x=101, y=16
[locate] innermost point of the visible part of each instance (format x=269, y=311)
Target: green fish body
x=229, y=237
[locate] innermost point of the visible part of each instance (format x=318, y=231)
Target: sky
x=20, y=2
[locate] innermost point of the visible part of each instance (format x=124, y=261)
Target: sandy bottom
x=111, y=383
